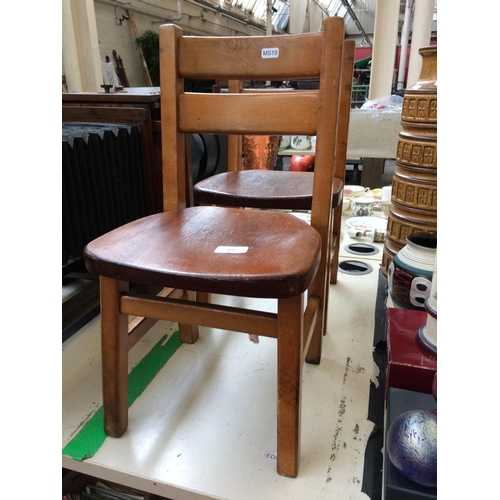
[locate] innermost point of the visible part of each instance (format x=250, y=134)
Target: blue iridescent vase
x=412, y=446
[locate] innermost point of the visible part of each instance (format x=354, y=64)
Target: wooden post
x=143, y=59
x=290, y=342
x=114, y=352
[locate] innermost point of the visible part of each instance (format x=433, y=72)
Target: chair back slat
x=259, y=57
x=255, y=114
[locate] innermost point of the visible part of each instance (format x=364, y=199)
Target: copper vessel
x=260, y=151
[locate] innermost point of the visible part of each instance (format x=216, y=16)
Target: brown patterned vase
x=414, y=185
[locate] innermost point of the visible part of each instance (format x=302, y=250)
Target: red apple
x=302, y=163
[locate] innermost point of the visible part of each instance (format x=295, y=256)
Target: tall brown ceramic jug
x=414, y=185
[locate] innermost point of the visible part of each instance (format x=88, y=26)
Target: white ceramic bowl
x=354, y=191
x=346, y=203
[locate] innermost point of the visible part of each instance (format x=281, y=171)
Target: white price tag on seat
x=226, y=249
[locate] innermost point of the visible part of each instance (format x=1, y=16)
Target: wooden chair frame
x=163, y=241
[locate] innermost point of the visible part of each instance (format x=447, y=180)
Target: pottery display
x=362, y=206
x=413, y=206
x=404, y=221
x=412, y=446
x=385, y=206
x=285, y=142
x=385, y=200
x=355, y=191
x=409, y=276
x=427, y=333
x=376, y=235
x=386, y=193
x=301, y=142
x=367, y=223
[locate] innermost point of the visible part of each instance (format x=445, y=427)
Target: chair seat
x=262, y=189
x=178, y=249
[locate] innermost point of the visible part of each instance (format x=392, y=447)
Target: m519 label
x=270, y=53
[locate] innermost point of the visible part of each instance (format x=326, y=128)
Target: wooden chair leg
x=336, y=229
x=290, y=336
x=205, y=298
x=189, y=334
x=114, y=345
x=313, y=355
x=320, y=288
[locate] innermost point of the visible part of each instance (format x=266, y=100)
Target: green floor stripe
x=91, y=437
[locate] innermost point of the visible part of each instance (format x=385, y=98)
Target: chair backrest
x=234, y=155
x=315, y=56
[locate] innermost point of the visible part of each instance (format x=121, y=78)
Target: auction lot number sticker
x=270, y=53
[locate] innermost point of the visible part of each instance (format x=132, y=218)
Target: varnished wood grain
x=285, y=190
x=139, y=326
x=253, y=114
x=208, y=57
x=282, y=256
x=290, y=341
x=183, y=311
x=114, y=347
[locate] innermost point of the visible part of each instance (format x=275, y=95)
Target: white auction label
x=272, y=53
x=223, y=249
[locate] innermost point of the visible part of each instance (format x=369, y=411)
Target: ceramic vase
x=414, y=186
x=410, y=273
x=427, y=333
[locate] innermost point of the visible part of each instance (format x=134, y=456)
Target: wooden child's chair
x=193, y=251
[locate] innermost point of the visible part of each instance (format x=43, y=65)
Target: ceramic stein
x=362, y=206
